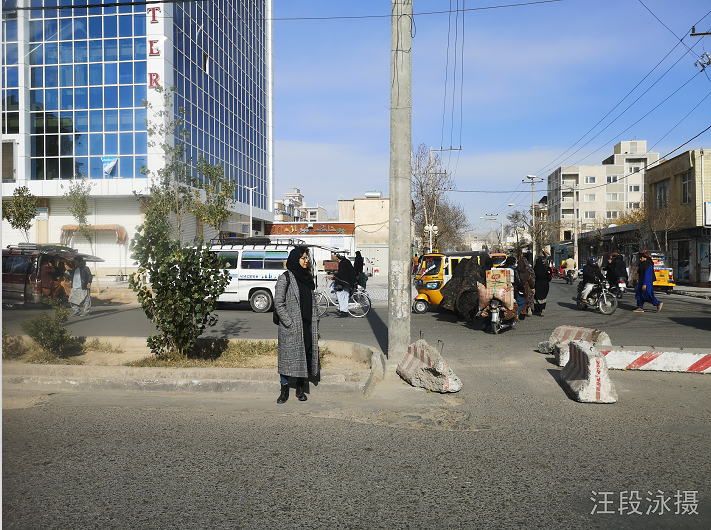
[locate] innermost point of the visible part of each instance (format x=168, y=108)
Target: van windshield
x=430, y=265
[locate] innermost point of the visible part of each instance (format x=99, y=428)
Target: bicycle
x=358, y=302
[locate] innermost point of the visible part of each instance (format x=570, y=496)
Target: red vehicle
x=21, y=264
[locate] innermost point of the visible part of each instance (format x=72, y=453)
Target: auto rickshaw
x=498, y=259
x=663, y=271
x=434, y=271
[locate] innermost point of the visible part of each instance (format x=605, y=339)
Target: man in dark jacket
x=591, y=272
x=616, y=268
x=346, y=279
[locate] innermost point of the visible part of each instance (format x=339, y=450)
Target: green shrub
x=48, y=330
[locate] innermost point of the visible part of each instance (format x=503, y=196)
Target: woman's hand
x=644, y=287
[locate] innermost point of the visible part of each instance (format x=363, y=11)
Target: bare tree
x=430, y=183
x=668, y=218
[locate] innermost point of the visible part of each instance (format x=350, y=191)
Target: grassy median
x=222, y=354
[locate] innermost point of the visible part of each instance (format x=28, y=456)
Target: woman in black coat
x=543, y=279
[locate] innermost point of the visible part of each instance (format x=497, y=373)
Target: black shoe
x=342, y=314
x=300, y=394
x=284, y=394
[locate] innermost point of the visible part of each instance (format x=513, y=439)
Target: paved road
x=684, y=321
x=508, y=451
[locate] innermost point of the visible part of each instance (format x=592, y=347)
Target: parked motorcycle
x=600, y=297
x=501, y=318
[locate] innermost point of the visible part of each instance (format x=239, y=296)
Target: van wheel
x=261, y=301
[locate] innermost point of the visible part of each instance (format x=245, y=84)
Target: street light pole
x=251, y=201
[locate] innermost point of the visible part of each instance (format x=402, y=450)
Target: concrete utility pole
x=400, y=254
x=533, y=214
x=492, y=217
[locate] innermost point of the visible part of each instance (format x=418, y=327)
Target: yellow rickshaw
x=498, y=259
x=434, y=271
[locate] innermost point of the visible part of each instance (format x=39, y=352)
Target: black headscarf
x=358, y=263
x=488, y=263
x=304, y=280
x=541, y=269
x=510, y=262
x=644, y=265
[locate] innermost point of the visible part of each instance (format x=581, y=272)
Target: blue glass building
x=74, y=81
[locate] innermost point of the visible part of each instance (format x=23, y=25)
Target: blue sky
x=530, y=82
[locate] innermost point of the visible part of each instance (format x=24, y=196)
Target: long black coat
x=543, y=282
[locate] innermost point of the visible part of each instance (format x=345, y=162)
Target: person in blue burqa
x=644, y=291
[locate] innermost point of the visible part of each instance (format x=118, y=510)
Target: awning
x=69, y=230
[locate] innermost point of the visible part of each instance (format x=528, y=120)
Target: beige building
x=679, y=189
x=587, y=197
x=370, y=216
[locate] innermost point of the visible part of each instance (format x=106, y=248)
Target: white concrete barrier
x=585, y=376
x=557, y=343
x=424, y=367
x=691, y=360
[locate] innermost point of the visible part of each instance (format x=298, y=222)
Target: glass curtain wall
x=87, y=85
x=221, y=78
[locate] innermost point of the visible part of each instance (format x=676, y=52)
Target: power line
x=550, y=164
x=636, y=122
x=681, y=40
x=354, y=17
x=624, y=111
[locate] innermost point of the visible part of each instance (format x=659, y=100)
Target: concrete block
x=424, y=367
x=585, y=376
x=558, y=342
x=690, y=360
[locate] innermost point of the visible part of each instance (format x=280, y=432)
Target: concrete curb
x=692, y=360
x=694, y=295
x=196, y=380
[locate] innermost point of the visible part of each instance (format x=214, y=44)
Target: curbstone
x=585, y=376
x=662, y=360
x=424, y=367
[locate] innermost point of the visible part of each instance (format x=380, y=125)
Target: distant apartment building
x=292, y=208
x=587, y=197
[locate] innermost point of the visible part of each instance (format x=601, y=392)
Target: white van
x=254, y=265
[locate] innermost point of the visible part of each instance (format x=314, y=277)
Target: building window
x=634, y=169
x=590, y=215
x=591, y=197
x=633, y=205
x=589, y=180
x=686, y=187
x=567, y=234
x=662, y=194
x=611, y=214
x=634, y=188
x=611, y=196
x=611, y=179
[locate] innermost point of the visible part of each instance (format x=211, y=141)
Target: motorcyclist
x=570, y=271
x=591, y=273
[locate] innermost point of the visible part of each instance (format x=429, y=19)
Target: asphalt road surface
x=510, y=450
x=684, y=321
